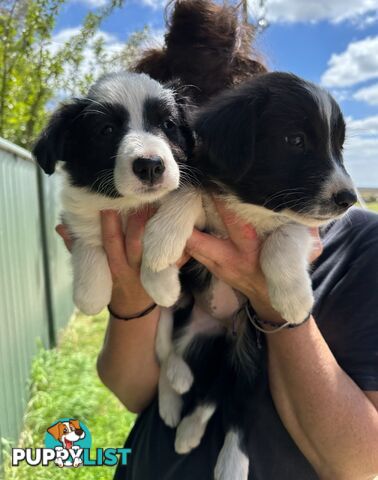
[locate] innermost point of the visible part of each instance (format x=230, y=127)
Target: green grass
x=373, y=206
x=64, y=383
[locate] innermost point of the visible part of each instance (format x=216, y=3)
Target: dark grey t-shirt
x=345, y=282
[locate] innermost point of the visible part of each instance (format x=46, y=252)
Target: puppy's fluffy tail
x=207, y=47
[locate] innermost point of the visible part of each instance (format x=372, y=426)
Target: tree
x=33, y=74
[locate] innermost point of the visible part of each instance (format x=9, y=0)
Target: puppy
x=271, y=149
x=122, y=147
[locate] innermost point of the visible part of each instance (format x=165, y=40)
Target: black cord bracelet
x=136, y=315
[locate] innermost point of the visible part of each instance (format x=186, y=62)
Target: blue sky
x=334, y=43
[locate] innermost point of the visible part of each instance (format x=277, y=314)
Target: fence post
x=46, y=263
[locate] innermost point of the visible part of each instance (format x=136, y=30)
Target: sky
x=331, y=42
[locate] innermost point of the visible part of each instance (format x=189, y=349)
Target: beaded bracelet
x=136, y=315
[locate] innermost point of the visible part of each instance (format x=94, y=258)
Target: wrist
x=128, y=302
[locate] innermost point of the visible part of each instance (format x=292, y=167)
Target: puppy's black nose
x=148, y=169
x=79, y=432
x=345, y=198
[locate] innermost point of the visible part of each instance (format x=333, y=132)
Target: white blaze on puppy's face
x=143, y=142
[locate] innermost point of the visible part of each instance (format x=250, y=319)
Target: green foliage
x=33, y=71
x=64, y=383
x=373, y=206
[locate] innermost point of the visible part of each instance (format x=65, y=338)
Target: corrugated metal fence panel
x=59, y=258
x=23, y=294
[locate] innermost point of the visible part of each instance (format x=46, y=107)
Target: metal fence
x=35, y=277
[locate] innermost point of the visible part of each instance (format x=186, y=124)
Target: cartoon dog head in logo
x=67, y=433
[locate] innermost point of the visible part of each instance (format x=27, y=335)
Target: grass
x=64, y=383
x=373, y=206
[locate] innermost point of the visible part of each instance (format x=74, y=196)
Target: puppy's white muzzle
x=134, y=173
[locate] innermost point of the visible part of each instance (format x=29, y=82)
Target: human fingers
x=183, y=260
x=241, y=234
x=63, y=232
x=208, y=250
x=317, y=247
x=113, y=240
x=136, y=223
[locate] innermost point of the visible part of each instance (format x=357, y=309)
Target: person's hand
x=236, y=260
x=124, y=254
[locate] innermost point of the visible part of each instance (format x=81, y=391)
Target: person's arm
x=127, y=364
x=331, y=419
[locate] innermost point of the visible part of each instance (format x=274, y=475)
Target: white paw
x=232, y=463
x=89, y=303
x=163, y=255
x=163, y=287
x=170, y=405
x=191, y=429
x=188, y=435
x=179, y=374
x=293, y=301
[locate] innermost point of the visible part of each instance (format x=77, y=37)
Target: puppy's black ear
x=226, y=130
x=50, y=146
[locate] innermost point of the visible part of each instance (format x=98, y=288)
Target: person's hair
x=207, y=48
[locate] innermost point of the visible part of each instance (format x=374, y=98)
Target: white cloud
x=316, y=10
x=92, y=3
x=361, y=150
x=155, y=4
x=112, y=46
x=358, y=63
x=368, y=94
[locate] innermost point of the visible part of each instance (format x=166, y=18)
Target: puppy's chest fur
x=219, y=299
x=81, y=212
x=263, y=220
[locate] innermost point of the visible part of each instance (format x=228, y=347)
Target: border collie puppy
x=122, y=147
x=272, y=150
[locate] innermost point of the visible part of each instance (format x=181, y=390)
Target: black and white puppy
x=272, y=150
x=122, y=148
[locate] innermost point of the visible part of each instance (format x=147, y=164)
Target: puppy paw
x=163, y=287
x=191, y=429
x=170, y=406
x=92, y=279
x=293, y=302
x=232, y=463
x=159, y=256
x=179, y=374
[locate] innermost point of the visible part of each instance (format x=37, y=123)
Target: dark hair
x=207, y=47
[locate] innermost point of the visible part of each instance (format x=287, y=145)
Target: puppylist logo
x=68, y=444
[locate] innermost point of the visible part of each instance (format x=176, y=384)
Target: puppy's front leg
x=92, y=278
x=168, y=230
x=164, y=242
x=284, y=261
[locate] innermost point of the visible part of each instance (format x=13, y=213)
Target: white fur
x=232, y=463
x=191, y=429
x=81, y=207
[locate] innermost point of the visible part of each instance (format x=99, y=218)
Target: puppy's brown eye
x=296, y=140
x=65, y=430
x=108, y=130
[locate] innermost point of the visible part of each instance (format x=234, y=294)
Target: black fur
x=243, y=143
x=85, y=134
